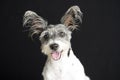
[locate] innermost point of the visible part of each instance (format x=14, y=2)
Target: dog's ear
x=72, y=18
x=34, y=23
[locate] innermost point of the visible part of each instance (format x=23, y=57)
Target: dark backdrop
x=96, y=43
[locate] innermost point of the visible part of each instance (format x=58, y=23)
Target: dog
x=61, y=63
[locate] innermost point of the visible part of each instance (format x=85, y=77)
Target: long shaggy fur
x=61, y=63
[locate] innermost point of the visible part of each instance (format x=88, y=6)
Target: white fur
x=67, y=68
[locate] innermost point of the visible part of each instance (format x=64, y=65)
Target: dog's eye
x=46, y=36
x=62, y=34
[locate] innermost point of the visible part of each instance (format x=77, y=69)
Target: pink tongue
x=55, y=55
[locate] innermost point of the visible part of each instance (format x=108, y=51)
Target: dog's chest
x=58, y=71
x=62, y=70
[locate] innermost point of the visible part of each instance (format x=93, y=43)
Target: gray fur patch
x=58, y=31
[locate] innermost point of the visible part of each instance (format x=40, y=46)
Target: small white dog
x=61, y=63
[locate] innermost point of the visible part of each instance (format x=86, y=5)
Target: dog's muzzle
x=56, y=55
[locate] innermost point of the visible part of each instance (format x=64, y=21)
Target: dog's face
x=55, y=39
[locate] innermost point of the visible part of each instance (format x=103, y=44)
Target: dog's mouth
x=56, y=55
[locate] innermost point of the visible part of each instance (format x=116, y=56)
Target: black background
x=96, y=43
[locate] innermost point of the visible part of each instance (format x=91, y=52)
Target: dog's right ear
x=34, y=23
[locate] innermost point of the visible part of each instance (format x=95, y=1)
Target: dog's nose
x=54, y=46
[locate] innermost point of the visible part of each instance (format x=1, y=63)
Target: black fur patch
x=69, y=52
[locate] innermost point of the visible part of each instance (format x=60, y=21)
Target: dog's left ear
x=72, y=18
x=34, y=23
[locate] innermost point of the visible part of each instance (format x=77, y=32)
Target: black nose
x=54, y=46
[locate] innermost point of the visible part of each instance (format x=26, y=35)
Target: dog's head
x=55, y=39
